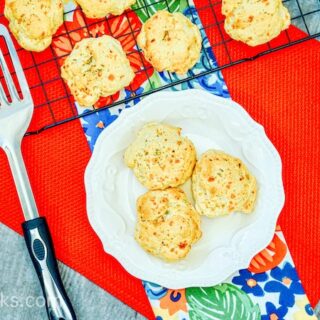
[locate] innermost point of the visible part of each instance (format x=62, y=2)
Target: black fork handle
x=39, y=243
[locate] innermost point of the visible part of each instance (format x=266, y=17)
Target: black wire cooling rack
x=43, y=69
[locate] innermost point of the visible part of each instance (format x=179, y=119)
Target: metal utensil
x=15, y=117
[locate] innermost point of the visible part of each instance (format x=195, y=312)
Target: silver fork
x=15, y=117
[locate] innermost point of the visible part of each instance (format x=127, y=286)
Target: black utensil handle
x=39, y=243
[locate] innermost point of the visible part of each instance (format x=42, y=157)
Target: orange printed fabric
x=269, y=289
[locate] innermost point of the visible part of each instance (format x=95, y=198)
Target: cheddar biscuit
x=33, y=22
x=96, y=67
x=170, y=41
x=101, y=8
x=167, y=224
x=160, y=157
x=255, y=22
x=222, y=184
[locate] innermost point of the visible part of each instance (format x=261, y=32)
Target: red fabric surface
x=281, y=91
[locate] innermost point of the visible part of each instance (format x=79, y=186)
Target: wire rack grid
x=54, y=105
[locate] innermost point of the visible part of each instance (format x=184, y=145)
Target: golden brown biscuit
x=167, y=224
x=101, y=8
x=160, y=157
x=255, y=21
x=96, y=67
x=222, y=184
x=170, y=41
x=33, y=22
x=250, y=6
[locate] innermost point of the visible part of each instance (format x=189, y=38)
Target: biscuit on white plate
x=96, y=67
x=170, y=41
x=101, y=8
x=255, y=22
x=167, y=224
x=222, y=184
x=33, y=22
x=160, y=157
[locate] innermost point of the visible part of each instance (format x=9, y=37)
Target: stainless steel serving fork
x=15, y=117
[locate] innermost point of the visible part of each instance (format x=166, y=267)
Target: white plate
x=228, y=243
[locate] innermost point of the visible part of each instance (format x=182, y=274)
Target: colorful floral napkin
x=270, y=288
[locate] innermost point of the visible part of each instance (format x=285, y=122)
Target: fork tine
x=3, y=97
x=8, y=78
x=16, y=63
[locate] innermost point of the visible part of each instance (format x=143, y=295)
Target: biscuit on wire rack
x=96, y=67
x=167, y=224
x=222, y=184
x=255, y=22
x=170, y=41
x=33, y=22
x=160, y=157
x=101, y=8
